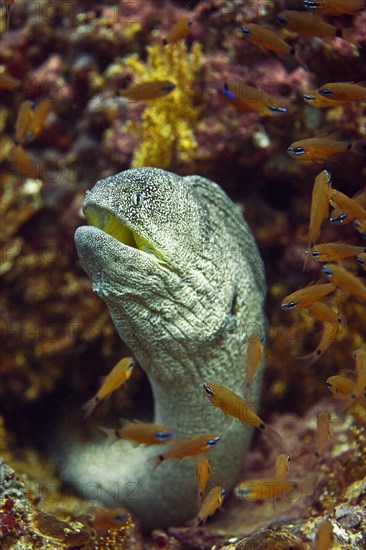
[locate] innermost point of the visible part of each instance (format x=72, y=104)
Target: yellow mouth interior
x=109, y=224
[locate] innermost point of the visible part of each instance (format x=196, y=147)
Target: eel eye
x=213, y=442
x=315, y=254
x=245, y=30
x=137, y=199
x=290, y=305
x=325, y=92
x=208, y=390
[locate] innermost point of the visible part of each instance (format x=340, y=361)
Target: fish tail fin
x=273, y=437
x=89, y=406
x=307, y=484
x=194, y=522
x=295, y=52
x=112, y=435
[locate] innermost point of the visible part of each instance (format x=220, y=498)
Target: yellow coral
x=167, y=122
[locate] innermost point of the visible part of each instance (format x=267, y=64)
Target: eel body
x=178, y=267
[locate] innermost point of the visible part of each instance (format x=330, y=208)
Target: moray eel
x=182, y=277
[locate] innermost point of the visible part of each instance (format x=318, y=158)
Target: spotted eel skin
x=182, y=277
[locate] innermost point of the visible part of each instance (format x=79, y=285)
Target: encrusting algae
x=167, y=123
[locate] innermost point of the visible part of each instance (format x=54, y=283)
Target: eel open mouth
x=104, y=220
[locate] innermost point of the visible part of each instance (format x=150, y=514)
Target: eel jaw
x=108, y=223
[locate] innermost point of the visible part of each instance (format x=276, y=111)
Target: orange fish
x=24, y=118
x=251, y=98
x=266, y=39
x=328, y=336
x=318, y=148
x=271, y=488
x=340, y=386
x=345, y=92
x=23, y=163
x=319, y=207
x=308, y=24
x=146, y=91
x=306, y=296
x=361, y=260
x=254, y=356
x=346, y=204
x=334, y=7
x=209, y=505
x=120, y=373
x=178, y=31
x=346, y=280
x=233, y=405
x=360, y=385
x=337, y=216
x=324, y=536
x=314, y=98
x=140, y=432
x=189, y=446
x=108, y=519
x=40, y=114
x=322, y=434
x=329, y=252
x=323, y=312
x=203, y=472
x=282, y=466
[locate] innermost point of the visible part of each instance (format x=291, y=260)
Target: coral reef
x=80, y=55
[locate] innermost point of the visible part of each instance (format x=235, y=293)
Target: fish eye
x=290, y=305
x=208, y=390
x=315, y=254
x=311, y=4
x=223, y=491
x=132, y=364
x=121, y=517
x=213, y=442
x=325, y=92
x=169, y=87
x=329, y=383
x=327, y=272
x=288, y=459
x=361, y=261
x=277, y=110
x=309, y=97
x=162, y=436
x=245, y=30
x=137, y=199
x=298, y=150
x=329, y=176
x=338, y=219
